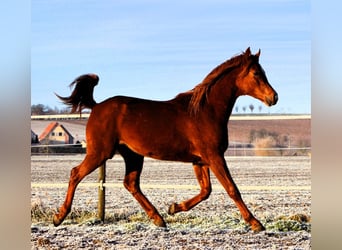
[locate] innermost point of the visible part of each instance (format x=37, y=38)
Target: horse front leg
x=89, y=164
x=220, y=169
x=134, y=165
x=203, y=177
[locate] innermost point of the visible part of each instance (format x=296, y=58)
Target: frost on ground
x=282, y=204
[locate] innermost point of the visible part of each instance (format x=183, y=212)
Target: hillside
x=297, y=130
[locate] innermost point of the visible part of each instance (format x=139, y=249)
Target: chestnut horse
x=192, y=127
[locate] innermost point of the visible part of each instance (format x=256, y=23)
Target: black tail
x=82, y=95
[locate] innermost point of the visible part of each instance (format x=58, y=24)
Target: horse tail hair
x=82, y=95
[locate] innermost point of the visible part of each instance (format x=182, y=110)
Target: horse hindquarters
x=101, y=145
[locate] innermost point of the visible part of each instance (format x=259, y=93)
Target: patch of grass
x=297, y=222
x=78, y=216
x=43, y=214
x=139, y=220
x=191, y=220
x=40, y=213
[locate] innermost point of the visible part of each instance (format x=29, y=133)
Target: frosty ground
x=276, y=189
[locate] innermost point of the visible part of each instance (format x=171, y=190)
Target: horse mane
x=200, y=92
x=82, y=95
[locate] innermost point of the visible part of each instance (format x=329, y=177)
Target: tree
x=251, y=107
x=236, y=109
x=260, y=108
x=37, y=109
x=41, y=109
x=244, y=109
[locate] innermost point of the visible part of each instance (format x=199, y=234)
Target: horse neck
x=222, y=97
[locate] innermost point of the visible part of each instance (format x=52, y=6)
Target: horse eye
x=256, y=73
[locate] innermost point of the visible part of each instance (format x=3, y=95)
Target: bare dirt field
x=298, y=130
x=276, y=189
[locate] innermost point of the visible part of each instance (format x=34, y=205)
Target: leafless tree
x=251, y=107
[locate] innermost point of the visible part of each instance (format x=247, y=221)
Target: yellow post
x=101, y=192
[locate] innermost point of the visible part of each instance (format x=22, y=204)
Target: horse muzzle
x=271, y=100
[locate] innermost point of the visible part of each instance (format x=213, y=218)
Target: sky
x=157, y=49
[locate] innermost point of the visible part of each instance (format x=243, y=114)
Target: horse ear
x=248, y=51
x=258, y=54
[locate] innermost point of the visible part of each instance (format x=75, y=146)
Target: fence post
x=101, y=192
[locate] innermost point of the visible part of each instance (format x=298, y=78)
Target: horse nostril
x=275, y=98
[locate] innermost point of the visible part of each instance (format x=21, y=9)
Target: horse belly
x=160, y=141
x=164, y=153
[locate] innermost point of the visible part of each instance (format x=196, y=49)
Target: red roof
x=50, y=128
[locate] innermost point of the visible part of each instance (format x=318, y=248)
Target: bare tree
x=41, y=109
x=251, y=107
x=38, y=109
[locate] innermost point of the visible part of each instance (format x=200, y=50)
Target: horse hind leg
x=203, y=177
x=134, y=164
x=89, y=164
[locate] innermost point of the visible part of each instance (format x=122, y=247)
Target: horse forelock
x=201, y=91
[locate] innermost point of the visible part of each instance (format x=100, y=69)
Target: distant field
x=298, y=130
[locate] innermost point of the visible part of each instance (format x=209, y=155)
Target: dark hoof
x=159, y=223
x=56, y=221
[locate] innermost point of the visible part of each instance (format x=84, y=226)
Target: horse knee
x=74, y=174
x=88, y=165
x=131, y=185
x=234, y=193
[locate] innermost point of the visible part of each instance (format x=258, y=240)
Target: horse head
x=252, y=80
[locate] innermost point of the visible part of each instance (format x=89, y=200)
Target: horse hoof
x=56, y=221
x=172, y=209
x=258, y=228
x=159, y=223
